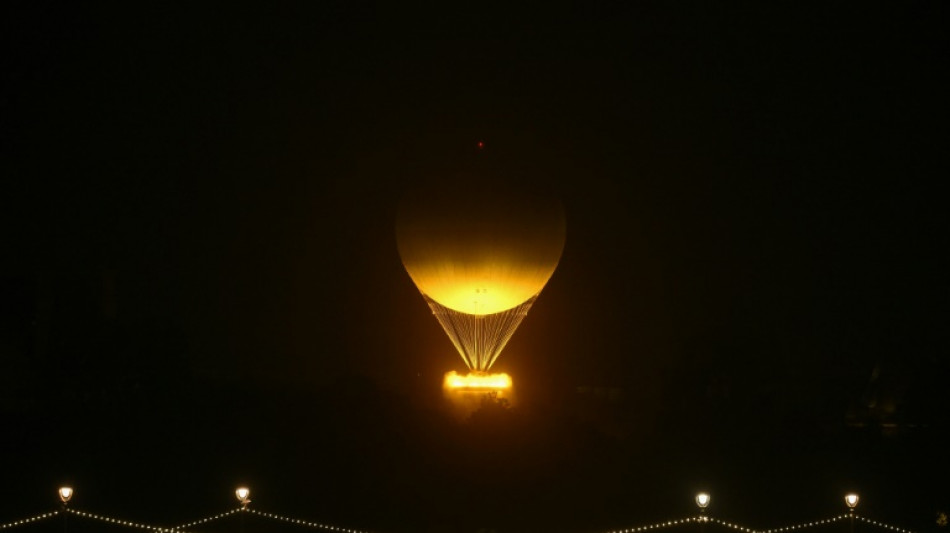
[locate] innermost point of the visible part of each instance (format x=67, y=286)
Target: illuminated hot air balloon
x=480, y=256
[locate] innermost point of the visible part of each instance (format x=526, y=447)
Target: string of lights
x=181, y=528
x=305, y=523
x=882, y=525
x=31, y=519
x=803, y=525
x=657, y=525
x=207, y=519
x=243, y=495
x=116, y=521
x=726, y=524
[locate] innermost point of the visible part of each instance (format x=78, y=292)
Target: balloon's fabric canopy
x=480, y=262
x=480, y=256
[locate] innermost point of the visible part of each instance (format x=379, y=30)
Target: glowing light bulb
x=702, y=500
x=851, y=500
x=243, y=495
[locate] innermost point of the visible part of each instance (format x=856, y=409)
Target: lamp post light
x=851, y=500
x=65, y=494
x=243, y=495
x=702, y=501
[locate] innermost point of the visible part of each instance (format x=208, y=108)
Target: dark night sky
x=198, y=244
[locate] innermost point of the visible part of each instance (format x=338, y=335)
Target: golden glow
x=482, y=295
x=477, y=381
x=467, y=393
x=702, y=500
x=65, y=493
x=480, y=253
x=851, y=500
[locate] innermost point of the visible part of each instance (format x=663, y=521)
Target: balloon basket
x=468, y=392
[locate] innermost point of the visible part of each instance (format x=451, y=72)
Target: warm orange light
x=477, y=381
x=481, y=252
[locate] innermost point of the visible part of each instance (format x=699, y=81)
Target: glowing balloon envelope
x=480, y=259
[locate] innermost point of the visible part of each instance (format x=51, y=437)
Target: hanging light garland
x=29, y=520
x=243, y=494
x=737, y=527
